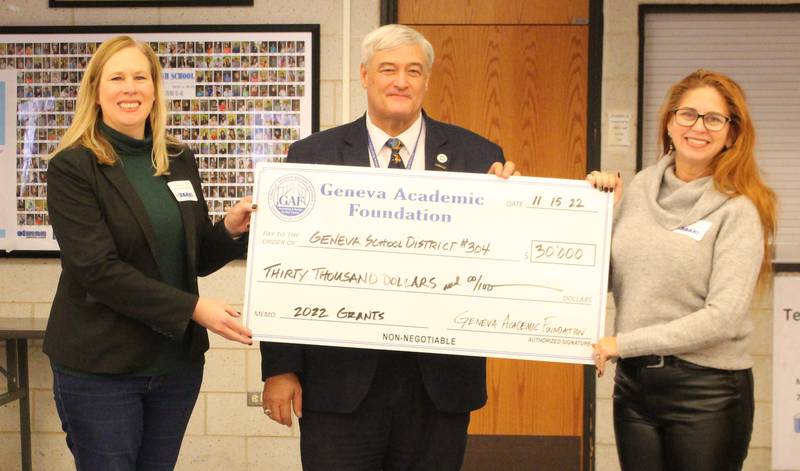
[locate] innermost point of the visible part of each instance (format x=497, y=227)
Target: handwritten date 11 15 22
x=557, y=202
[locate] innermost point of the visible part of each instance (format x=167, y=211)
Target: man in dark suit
x=369, y=409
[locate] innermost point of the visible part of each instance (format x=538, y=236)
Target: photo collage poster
x=235, y=98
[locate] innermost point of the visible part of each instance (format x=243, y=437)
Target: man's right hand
x=281, y=392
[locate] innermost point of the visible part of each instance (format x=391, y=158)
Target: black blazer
x=111, y=309
x=338, y=379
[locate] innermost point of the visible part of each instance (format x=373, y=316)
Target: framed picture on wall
x=237, y=95
x=147, y=3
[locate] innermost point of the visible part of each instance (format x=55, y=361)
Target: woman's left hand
x=605, y=349
x=237, y=218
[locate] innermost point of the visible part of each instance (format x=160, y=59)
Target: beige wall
x=620, y=82
x=223, y=432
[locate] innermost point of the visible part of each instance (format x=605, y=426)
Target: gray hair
x=391, y=36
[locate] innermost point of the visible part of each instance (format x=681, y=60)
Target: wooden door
x=516, y=72
x=523, y=87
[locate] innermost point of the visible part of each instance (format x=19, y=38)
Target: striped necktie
x=395, y=161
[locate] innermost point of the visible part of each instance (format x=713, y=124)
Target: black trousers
x=396, y=428
x=681, y=416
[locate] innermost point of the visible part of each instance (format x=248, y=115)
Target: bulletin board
x=236, y=95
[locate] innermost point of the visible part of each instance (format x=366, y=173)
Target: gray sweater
x=675, y=294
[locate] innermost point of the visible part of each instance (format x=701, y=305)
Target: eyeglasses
x=712, y=121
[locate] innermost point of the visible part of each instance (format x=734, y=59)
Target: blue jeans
x=126, y=423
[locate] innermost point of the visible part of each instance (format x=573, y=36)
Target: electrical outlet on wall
x=254, y=398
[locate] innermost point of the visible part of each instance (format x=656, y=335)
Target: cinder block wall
x=620, y=86
x=223, y=433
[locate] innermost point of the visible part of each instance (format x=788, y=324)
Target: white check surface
x=437, y=262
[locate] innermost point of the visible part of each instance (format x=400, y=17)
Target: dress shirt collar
x=407, y=137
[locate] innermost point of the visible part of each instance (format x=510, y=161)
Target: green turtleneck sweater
x=167, y=223
x=161, y=207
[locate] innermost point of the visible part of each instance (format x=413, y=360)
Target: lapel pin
x=441, y=161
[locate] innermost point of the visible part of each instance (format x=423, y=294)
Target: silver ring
x=267, y=412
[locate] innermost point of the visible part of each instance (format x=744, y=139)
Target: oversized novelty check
x=437, y=262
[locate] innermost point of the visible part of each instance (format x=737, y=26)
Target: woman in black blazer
x=127, y=331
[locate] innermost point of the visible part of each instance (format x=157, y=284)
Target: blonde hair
x=86, y=121
x=735, y=170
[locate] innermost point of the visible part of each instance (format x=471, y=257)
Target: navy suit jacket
x=337, y=379
x=111, y=309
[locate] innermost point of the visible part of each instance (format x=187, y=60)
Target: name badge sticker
x=696, y=231
x=183, y=190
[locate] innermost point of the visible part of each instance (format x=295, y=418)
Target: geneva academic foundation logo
x=291, y=197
